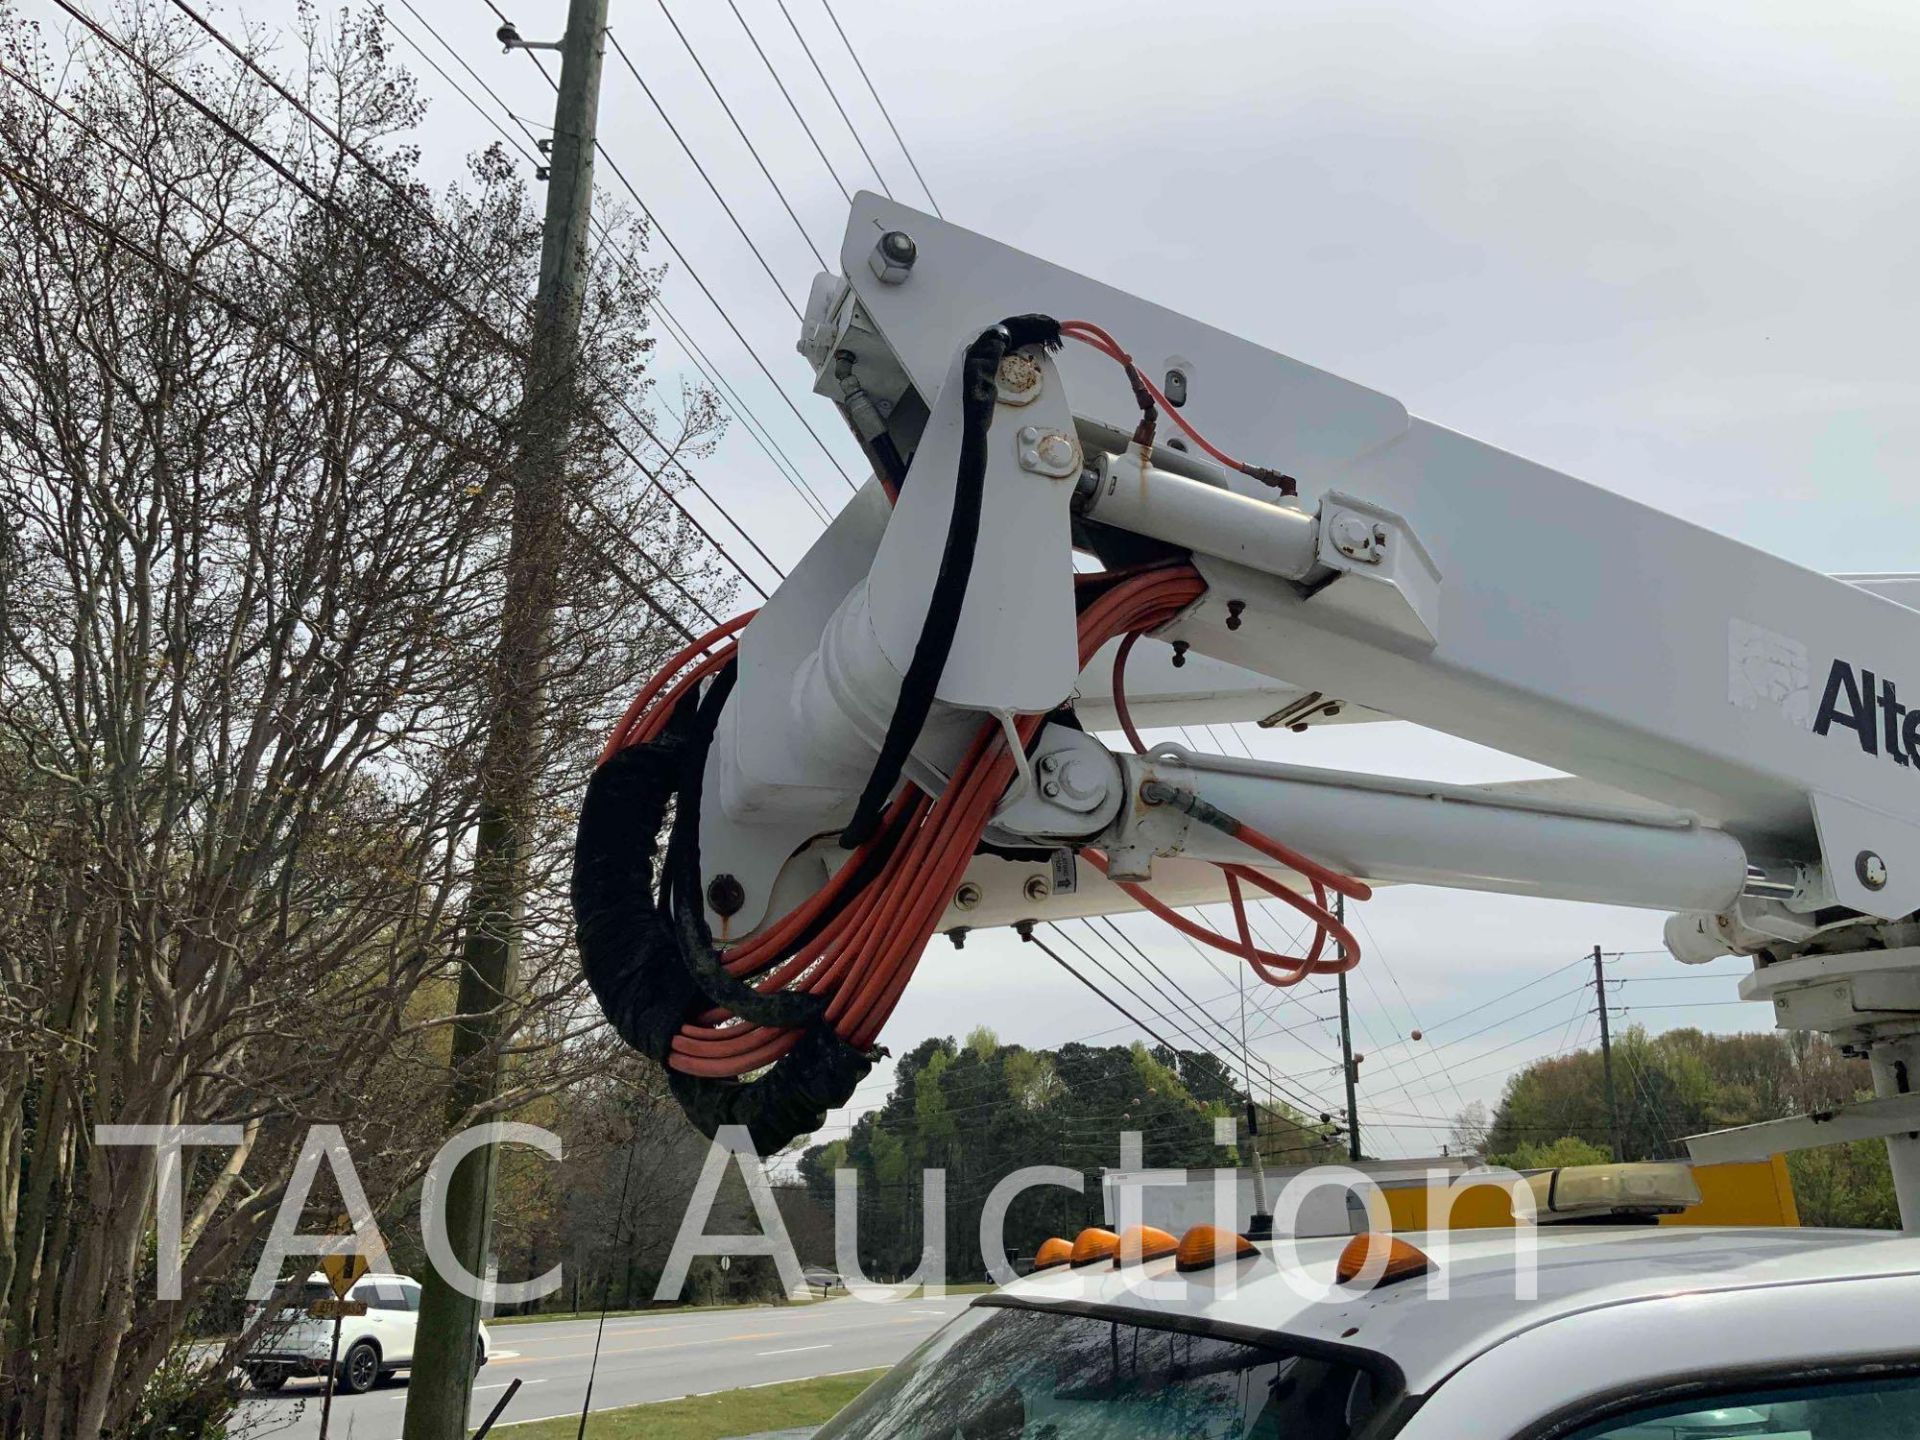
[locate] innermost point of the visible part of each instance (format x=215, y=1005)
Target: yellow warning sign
x=342, y=1270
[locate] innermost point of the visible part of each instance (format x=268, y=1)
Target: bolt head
x=1037, y=887
x=893, y=256
x=1050, y=789
x=1871, y=869
x=967, y=896
x=1029, y=434
x=1353, y=537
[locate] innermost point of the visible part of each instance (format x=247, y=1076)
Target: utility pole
x=1606, y=1051
x=1346, y=1045
x=441, y=1390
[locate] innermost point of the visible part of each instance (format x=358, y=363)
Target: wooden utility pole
x=442, y=1385
x=1346, y=1047
x=1606, y=1052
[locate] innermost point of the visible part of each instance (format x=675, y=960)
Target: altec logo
x=1869, y=706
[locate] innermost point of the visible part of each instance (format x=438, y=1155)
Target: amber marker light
x=1205, y=1246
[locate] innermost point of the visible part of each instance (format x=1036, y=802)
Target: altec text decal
x=1850, y=700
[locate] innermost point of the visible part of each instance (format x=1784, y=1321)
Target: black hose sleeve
x=628, y=951
x=979, y=390
x=783, y=1008
x=793, y=1098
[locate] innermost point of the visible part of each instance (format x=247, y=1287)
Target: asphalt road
x=642, y=1357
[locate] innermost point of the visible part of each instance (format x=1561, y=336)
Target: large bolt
x=967, y=896
x=725, y=895
x=1037, y=887
x=1871, y=869
x=893, y=256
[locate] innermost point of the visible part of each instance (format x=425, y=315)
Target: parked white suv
x=372, y=1346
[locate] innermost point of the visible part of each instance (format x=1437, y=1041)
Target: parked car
x=372, y=1346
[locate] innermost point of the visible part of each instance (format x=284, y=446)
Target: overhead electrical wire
x=1166, y=982
x=787, y=95
x=1474, y=1060
x=834, y=96
x=885, y=114
x=761, y=434
x=739, y=130
x=1247, y=1056
x=1414, y=1018
x=694, y=159
x=402, y=192
x=694, y=275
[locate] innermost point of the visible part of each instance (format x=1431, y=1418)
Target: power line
x=740, y=130
x=1266, y=1069
x=1198, y=1038
x=783, y=463
x=1504, y=995
x=886, y=114
x=1378, y=952
x=280, y=337
x=786, y=95
x=1486, y=1053
x=834, y=96
x=725, y=205
x=404, y=194
x=1060, y=960
x=694, y=275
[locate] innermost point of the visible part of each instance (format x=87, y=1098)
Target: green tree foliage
x=1845, y=1185
x=1684, y=1082
x=1567, y=1150
x=980, y=1110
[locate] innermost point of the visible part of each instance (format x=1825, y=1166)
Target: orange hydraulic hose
x=864, y=944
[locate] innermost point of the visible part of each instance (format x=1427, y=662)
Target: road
x=642, y=1357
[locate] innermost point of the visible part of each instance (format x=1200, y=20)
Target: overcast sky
x=1669, y=249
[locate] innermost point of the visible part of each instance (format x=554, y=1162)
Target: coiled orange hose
x=862, y=948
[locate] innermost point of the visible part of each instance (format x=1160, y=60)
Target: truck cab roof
x=1288, y=1288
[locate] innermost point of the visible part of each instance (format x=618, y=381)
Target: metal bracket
x=1861, y=1120
x=1383, y=574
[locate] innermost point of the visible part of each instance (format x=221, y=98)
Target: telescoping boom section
x=1090, y=516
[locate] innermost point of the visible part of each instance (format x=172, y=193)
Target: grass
x=711, y=1417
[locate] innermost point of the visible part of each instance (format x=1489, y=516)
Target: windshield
x=1011, y=1374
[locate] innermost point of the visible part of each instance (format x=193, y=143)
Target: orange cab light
x=1093, y=1245
x=1403, y=1261
x=1053, y=1251
x=1208, y=1245
x=1141, y=1243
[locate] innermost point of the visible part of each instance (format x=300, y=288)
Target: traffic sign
x=342, y=1270
x=337, y=1309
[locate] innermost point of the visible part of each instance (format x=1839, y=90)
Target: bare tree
x=256, y=412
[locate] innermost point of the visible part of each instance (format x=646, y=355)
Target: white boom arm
x=1733, y=722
